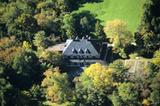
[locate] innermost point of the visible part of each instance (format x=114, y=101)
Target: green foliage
x=25, y=67
x=68, y=26
x=28, y=27
x=56, y=86
x=39, y=39
x=156, y=58
x=155, y=94
x=92, y=86
x=128, y=93
x=7, y=93
x=53, y=59
x=116, y=99
x=88, y=95
x=119, y=71
x=48, y=21
x=155, y=98
x=148, y=36
x=99, y=30
x=129, y=11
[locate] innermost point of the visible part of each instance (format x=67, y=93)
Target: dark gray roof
x=82, y=47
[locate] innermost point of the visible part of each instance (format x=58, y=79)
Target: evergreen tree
x=148, y=37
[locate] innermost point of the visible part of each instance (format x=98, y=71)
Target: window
x=87, y=51
x=74, y=51
x=80, y=51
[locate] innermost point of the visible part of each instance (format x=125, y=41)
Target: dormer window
x=80, y=51
x=87, y=51
x=74, y=51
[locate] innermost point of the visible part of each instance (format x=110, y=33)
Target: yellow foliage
x=56, y=85
x=117, y=32
x=146, y=102
x=156, y=59
x=101, y=75
x=26, y=45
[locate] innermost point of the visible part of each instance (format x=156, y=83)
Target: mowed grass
x=129, y=11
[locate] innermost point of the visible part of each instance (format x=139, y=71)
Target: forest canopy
x=32, y=76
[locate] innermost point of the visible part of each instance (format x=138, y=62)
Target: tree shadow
x=79, y=3
x=85, y=23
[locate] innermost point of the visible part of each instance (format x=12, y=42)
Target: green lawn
x=130, y=11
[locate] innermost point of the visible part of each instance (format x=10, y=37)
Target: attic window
x=87, y=51
x=74, y=51
x=80, y=51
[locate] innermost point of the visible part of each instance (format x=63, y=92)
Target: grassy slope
x=128, y=10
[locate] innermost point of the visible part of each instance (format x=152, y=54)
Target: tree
x=48, y=21
x=155, y=94
x=148, y=35
x=19, y=20
x=8, y=54
x=155, y=97
x=84, y=22
x=8, y=94
x=26, y=45
x=156, y=58
x=119, y=71
x=128, y=93
x=116, y=99
x=26, y=67
x=26, y=26
x=93, y=85
x=100, y=75
x=52, y=59
x=99, y=30
x=56, y=86
x=119, y=36
x=39, y=39
x=68, y=26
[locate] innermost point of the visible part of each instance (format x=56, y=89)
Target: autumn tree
x=119, y=36
x=100, y=75
x=95, y=80
x=56, y=86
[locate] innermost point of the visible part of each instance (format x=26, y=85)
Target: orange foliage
x=9, y=53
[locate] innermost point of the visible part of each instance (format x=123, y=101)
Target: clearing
x=129, y=11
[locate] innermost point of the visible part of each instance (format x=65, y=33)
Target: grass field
x=129, y=11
